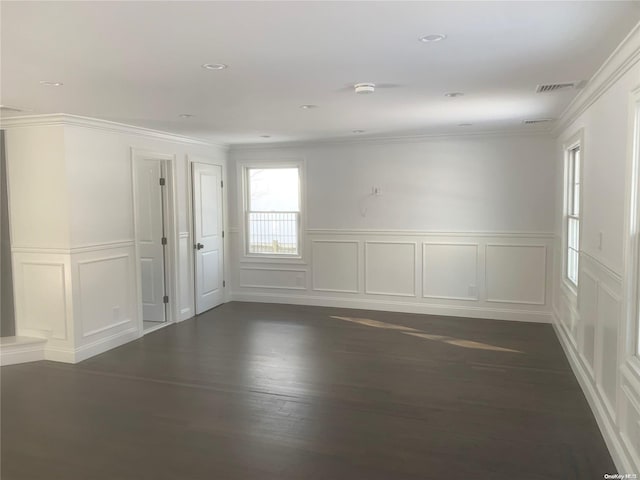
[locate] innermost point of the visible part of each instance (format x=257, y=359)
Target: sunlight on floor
x=457, y=342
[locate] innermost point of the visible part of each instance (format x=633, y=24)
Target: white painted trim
x=519, y=302
x=442, y=297
x=427, y=233
x=397, y=306
x=90, y=247
x=102, y=345
x=623, y=58
x=385, y=139
x=274, y=287
x=103, y=125
x=27, y=350
x=415, y=268
x=358, y=263
x=608, y=430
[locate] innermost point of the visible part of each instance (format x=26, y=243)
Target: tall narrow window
x=573, y=215
x=273, y=211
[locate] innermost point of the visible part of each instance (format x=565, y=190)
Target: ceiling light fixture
x=435, y=37
x=50, y=84
x=364, y=88
x=454, y=94
x=308, y=107
x=185, y=115
x=215, y=66
x=465, y=124
x=265, y=136
x=358, y=131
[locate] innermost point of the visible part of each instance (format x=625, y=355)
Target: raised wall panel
x=42, y=298
x=450, y=271
x=588, y=317
x=516, y=274
x=335, y=266
x=278, y=278
x=390, y=268
x=104, y=285
x=608, y=314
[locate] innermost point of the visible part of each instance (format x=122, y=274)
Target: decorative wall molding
x=317, y=265
x=397, y=306
x=298, y=273
x=21, y=350
x=425, y=270
x=427, y=233
x=391, y=271
x=623, y=58
x=64, y=119
x=91, y=247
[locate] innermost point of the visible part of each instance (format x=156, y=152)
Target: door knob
x=198, y=246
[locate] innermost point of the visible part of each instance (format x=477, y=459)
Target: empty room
x=368, y=240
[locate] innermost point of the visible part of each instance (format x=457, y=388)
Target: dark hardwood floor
x=257, y=391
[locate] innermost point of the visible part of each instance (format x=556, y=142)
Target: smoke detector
x=362, y=88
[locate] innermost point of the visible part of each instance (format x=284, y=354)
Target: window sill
x=272, y=259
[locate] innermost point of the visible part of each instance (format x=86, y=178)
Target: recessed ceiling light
x=358, y=131
x=50, y=84
x=436, y=37
x=215, y=66
x=361, y=88
x=265, y=136
x=185, y=115
x=308, y=107
x=465, y=124
x=453, y=94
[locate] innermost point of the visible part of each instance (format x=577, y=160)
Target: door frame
x=170, y=225
x=191, y=159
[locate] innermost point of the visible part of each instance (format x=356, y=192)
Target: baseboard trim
x=13, y=354
x=396, y=306
x=607, y=429
x=91, y=349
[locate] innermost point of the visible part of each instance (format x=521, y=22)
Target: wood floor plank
x=259, y=391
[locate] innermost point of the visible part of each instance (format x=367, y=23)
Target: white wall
x=73, y=241
x=463, y=226
x=590, y=325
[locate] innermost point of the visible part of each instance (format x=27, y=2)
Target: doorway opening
x=154, y=225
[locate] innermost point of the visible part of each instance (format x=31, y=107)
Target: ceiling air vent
x=554, y=87
x=537, y=121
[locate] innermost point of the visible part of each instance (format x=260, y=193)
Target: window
x=272, y=211
x=572, y=253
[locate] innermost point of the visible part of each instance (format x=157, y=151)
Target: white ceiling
x=140, y=63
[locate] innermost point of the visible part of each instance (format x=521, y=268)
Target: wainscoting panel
x=105, y=290
x=450, y=271
x=42, y=297
x=440, y=273
x=516, y=273
x=273, y=278
x=390, y=268
x=607, y=346
x=335, y=265
x=588, y=307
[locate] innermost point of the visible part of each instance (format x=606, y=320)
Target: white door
x=208, y=235
x=150, y=234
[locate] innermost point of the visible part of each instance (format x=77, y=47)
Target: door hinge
x=164, y=240
x=224, y=284
x=222, y=233
x=221, y=184
x=162, y=182
x=165, y=299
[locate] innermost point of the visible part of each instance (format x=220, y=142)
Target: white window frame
x=242, y=171
x=575, y=141
x=631, y=280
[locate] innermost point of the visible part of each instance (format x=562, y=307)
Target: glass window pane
x=572, y=234
x=273, y=233
x=572, y=266
x=576, y=200
x=274, y=189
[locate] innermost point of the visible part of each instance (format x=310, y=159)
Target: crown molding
x=386, y=139
x=58, y=119
x=624, y=57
